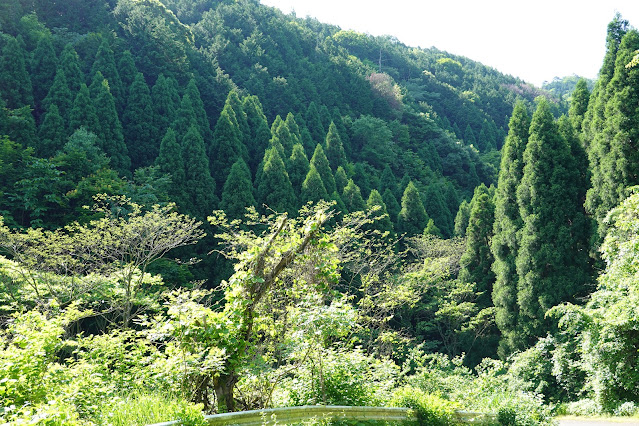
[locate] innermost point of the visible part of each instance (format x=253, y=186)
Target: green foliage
x=462, y=218
x=171, y=162
x=83, y=113
x=137, y=123
x=334, y=148
x=52, y=133
x=412, y=218
x=105, y=64
x=43, y=68
x=352, y=197
x=430, y=409
x=237, y=193
x=165, y=102
x=321, y=164
x=199, y=186
x=273, y=186
x=59, y=95
x=579, y=104
x=227, y=145
x=313, y=188
x=298, y=167
x=15, y=82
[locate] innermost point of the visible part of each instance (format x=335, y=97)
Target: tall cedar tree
x=137, y=122
x=260, y=132
x=552, y=262
x=313, y=189
x=21, y=127
x=505, y=243
x=412, y=218
x=15, y=82
x=193, y=93
x=227, y=144
x=382, y=221
x=334, y=148
x=282, y=134
x=234, y=101
x=314, y=123
x=166, y=102
x=70, y=64
x=171, y=162
x=388, y=180
x=341, y=129
x=392, y=205
x=184, y=118
x=462, y=218
x=52, y=133
x=127, y=70
x=438, y=210
x=341, y=180
x=298, y=167
x=83, y=113
x=352, y=197
x=43, y=68
x=110, y=134
x=274, y=189
x=579, y=104
x=199, y=186
x=469, y=136
x=320, y=162
x=105, y=63
x=477, y=260
x=59, y=95
x=614, y=152
x=237, y=194
x=293, y=127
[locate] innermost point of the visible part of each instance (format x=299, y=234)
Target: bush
x=430, y=409
x=583, y=407
x=627, y=408
x=143, y=409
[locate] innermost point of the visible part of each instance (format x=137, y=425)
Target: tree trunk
x=224, y=386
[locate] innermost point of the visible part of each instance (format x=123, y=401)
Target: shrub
x=430, y=409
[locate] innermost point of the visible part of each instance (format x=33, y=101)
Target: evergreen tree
x=69, y=62
x=274, y=188
x=83, y=113
x=320, y=162
x=505, y=243
x=352, y=197
x=298, y=167
x=52, y=133
x=21, y=128
x=412, y=218
x=15, y=82
x=392, y=206
x=341, y=129
x=260, y=132
x=227, y=144
x=234, y=102
x=334, y=148
x=166, y=102
x=438, y=210
x=462, y=218
x=383, y=221
x=171, y=162
x=137, y=122
x=432, y=229
x=341, y=180
x=552, y=262
x=185, y=118
x=43, y=68
x=127, y=70
x=469, y=136
x=313, y=189
x=293, y=128
x=193, y=93
x=105, y=63
x=314, y=123
x=387, y=180
x=60, y=96
x=199, y=186
x=110, y=134
x=237, y=194
x=579, y=104
x=283, y=135
x=477, y=260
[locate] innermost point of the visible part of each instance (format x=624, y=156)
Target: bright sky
x=534, y=40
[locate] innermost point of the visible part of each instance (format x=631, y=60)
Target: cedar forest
x=210, y=206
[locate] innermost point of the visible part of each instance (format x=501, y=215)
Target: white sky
x=534, y=40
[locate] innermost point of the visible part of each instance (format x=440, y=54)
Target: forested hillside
x=210, y=206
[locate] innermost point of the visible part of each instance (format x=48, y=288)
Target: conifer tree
x=438, y=210
x=234, y=102
x=392, y=206
x=579, y=104
x=260, y=132
x=137, y=123
x=341, y=129
x=105, y=63
x=461, y=219
x=70, y=64
x=52, y=133
x=314, y=123
x=110, y=135
x=127, y=70
x=477, y=260
x=15, y=82
x=171, y=162
x=83, y=113
x=341, y=180
x=166, y=102
x=432, y=229
x=313, y=189
x=20, y=127
x=412, y=218
x=469, y=136
x=60, y=96
x=283, y=135
x=552, y=264
x=320, y=162
x=43, y=68
x=339, y=204
x=199, y=186
x=352, y=197
x=298, y=167
x=325, y=116
x=334, y=148
x=274, y=188
x=193, y=93
x=383, y=221
x=505, y=243
x=237, y=194
x=387, y=180
x=227, y=144
x=184, y=118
